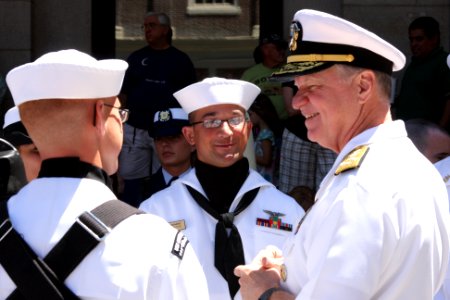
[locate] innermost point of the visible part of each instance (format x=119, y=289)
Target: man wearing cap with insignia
x=15, y=133
x=68, y=104
x=379, y=228
x=227, y=210
x=172, y=149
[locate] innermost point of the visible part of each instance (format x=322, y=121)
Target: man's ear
x=99, y=120
x=249, y=128
x=188, y=132
x=366, y=82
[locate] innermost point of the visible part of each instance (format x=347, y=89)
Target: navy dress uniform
x=380, y=226
x=143, y=257
x=268, y=218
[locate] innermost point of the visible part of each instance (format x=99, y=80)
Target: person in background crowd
x=431, y=139
x=68, y=104
x=227, y=210
x=265, y=127
x=379, y=228
x=425, y=86
x=155, y=72
x=269, y=56
x=15, y=133
x=304, y=196
x=174, y=152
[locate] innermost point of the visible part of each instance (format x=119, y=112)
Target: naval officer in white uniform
x=252, y=213
x=379, y=228
x=67, y=102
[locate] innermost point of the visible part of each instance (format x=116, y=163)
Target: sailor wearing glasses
x=68, y=104
x=227, y=210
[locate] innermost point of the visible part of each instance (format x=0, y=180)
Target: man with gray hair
x=379, y=228
x=155, y=72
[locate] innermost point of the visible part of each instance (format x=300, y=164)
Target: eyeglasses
x=123, y=112
x=216, y=123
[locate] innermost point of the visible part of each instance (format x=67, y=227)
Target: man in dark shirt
x=155, y=72
x=425, y=87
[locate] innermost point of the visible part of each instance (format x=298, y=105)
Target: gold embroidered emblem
x=353, y=160
x=179, y=225
x=296, y=35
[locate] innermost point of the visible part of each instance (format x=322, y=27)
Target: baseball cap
x=169, y=122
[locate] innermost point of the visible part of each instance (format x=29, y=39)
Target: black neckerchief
x=221, y=185
x=72, y=167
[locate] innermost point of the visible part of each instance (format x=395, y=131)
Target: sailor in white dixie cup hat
x=379, y=228
x=69, y=106
x=227, y=210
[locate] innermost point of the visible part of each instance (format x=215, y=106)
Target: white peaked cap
x=12, y=116
x=214, y=91
x=320, y=40
x=66, y=74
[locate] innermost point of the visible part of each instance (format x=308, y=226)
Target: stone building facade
x=219, y=35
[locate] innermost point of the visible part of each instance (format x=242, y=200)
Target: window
x=213, y=7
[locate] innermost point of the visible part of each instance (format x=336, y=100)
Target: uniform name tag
x=178, y=225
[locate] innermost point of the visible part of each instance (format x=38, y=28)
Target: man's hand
x=263, y=273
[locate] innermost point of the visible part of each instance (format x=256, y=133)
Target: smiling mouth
x=311, y=115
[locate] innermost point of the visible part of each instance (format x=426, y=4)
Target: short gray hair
x=383, y=79
x=162, y=17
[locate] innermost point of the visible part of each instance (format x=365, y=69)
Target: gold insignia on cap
x=296, y=34
x=164, y=116
x=353, y=160
x=283, y=272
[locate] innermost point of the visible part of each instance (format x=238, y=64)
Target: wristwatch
x=266, y=295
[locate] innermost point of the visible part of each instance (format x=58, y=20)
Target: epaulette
x=179, y=245
x=352, y=160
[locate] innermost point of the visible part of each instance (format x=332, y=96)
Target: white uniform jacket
x=443, y=166
x=377, y=231
x=134, y=261
x=176, y=204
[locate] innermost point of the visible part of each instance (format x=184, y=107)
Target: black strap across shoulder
x=37, y=278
